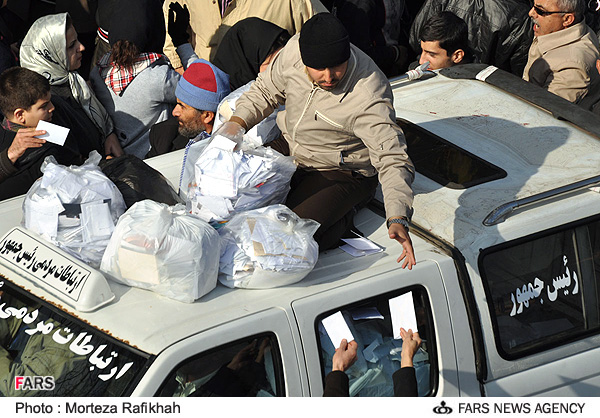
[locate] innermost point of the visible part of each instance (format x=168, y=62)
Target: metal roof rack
x=499, y=214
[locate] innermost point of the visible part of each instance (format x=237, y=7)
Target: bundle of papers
x=163, y=249
x=266, y=248
x=229, y=182
x=74, y=207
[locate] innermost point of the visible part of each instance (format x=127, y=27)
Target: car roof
x=537, y=151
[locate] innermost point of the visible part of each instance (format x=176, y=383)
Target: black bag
x=138, y=181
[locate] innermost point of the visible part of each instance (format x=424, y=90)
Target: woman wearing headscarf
x=51, y=48
x=246, y=50
x=134, y=81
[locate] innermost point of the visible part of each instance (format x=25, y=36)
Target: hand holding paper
x=54, y=133
x=402, y=310
x=337, y=329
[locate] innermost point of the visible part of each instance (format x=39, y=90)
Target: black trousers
x=328, y=197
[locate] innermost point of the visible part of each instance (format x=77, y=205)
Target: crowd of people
x=146, y=77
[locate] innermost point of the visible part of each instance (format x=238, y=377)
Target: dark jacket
x=165, y=138
x=17, y=178
x=405, y=383
x=364, y=20
x=500, y=31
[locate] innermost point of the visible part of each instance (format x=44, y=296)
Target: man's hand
x=25, y=139
x=243, y=357
x=344, y=356
x=112, y=146
x=400, y=234
x=231, y=130
x=410, y=344
x=179, y=21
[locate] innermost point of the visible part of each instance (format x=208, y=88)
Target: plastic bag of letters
x=228, y=181
x=163, y=249
x=266, y=248
x=74, y=207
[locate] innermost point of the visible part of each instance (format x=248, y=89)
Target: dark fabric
x=405, y=382
x=104, y=10
x=27, y=167
x=164, y=138
x=336, y=384
x=84, y=135
x=7, y=57
x=244, y=48
x=500, y=31
x=364, y=20
x=328, y=197
x=7, y=168
x=138, y=181
x=324, y=42
x=139, y=21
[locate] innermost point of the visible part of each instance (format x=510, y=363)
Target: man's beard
x=191, y=130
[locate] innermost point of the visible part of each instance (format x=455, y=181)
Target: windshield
x=46, y=352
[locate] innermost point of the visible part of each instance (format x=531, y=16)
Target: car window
x=247, y=367
x=378, y=352
x=444, y=162
x=46, y=352
x=543, y=291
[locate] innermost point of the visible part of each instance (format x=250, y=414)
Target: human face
x=437, y=56
x=190, y=120
x=328, y=78
x=544, y=22
x=74, y=49
x=41, y=110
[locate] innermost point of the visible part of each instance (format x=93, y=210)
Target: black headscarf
x=139, y=21
x=244, y=48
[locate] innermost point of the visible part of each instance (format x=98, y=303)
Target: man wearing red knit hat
x=199, y=92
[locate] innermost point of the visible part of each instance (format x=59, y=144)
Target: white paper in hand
x=402, y=310
x=54, y=133
x=337, y=329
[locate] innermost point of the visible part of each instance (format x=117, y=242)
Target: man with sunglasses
x=563, y=54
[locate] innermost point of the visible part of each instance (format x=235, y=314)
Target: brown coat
x=351, y=127
x=564, y=63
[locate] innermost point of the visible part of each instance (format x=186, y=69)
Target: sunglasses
x=542, y=12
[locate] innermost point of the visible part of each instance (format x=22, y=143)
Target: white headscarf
x=44, y=50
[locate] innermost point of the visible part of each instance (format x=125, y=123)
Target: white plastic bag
x=227, y=182
x=266, y=248
x=74, y=207
x=265, y=131
x=163, y=249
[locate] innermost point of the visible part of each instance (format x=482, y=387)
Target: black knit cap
x=324, y=42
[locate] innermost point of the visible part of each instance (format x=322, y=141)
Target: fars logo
x=34, y=382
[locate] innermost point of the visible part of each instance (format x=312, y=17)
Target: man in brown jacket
x=340, y=124
x=563, y=54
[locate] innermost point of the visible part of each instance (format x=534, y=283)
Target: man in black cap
x=340, y=124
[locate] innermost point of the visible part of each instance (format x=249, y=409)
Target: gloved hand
x=179, y=21
x=231, y=130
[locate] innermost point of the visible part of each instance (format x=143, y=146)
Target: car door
x=251, y=356
x=378, y=353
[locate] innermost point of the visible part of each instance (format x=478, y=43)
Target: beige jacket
x=207, y=27
x=564, y=63
x=351, y=127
